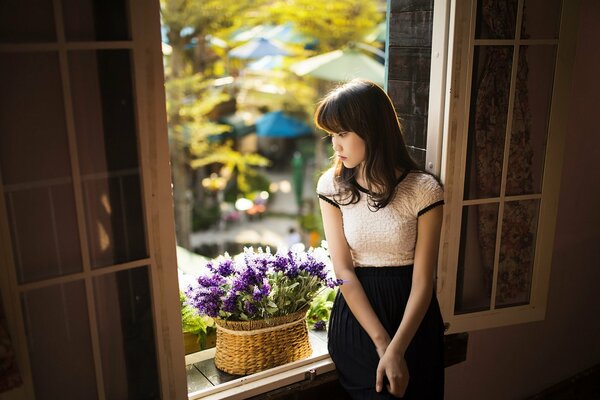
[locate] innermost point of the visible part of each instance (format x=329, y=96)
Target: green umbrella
x=341, y=65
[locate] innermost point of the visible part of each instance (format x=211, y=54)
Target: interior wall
x=518, y=361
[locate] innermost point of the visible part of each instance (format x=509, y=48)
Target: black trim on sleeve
x=328, y=200
x=430, y=207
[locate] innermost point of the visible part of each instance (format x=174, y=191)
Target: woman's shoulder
x=326, y=182
x=423, y=180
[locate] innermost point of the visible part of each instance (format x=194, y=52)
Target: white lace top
x=386, y=237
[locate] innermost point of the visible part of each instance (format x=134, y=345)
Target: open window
x=499, y=77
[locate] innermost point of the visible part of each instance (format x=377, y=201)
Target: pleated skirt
x=354, y=354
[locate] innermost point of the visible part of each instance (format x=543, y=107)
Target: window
x=500, y=91
x=86, y=228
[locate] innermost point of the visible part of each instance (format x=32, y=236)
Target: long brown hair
x=362, y=107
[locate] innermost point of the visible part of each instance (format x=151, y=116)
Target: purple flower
x=230, y=303
x=249, y=308
x=226, y=267
x=260, y=293
x=319, y=325
x=331, y=283
x=251, y=284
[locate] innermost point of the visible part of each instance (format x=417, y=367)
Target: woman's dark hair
x=362, y=107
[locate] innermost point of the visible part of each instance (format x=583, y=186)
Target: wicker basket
x=246, y=347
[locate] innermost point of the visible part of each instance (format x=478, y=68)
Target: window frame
x=453, y=33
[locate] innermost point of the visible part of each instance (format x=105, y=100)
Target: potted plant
x=259, y=302
x=199, y=331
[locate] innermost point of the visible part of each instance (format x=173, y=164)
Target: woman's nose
x=334, y=143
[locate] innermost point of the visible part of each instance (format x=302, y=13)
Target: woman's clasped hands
x=392, y=372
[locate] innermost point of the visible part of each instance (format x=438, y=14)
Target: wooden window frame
x=452, y=52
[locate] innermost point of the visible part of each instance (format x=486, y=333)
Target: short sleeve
x=429, y=194
x=326, y=188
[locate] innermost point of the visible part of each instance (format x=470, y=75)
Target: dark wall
x=409, y=58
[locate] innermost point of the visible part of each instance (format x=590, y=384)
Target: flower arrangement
x=260, y=285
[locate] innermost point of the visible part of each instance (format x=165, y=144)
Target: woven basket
x=246, y=347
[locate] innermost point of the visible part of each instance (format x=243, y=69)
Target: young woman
x=382, y=218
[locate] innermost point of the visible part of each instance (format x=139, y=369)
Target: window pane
x=496, y=19
x=517, y=250
x=541, y=19
x=476, y=258
x=33, y=121
x=96, y=20
x=530, y=119
x=114, y=219
x=26, y=21
x=56, y=319
x=107, y=140
x=487, y=126
x=126, y=330
x=44, y=232
x=102, y=91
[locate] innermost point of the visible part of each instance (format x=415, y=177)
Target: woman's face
x=349, y=148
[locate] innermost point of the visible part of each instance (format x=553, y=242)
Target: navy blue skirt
x=354, y=353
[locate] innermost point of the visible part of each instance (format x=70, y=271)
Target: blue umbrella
x=277, y=124
x=257, y=48
x=266, y=63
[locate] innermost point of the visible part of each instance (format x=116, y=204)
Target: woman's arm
x=392, y=364
x=352, y=290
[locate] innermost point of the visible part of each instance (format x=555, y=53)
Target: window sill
x=206, y=382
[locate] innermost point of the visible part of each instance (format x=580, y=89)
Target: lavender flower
x=259, y=284
x=226, y=267
x=320, y=325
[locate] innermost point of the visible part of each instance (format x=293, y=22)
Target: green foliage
x=191, y=321
x=233, y=161
x=335, y=23
x=320, y=308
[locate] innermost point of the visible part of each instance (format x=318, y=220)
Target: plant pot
x=190, y=343
x=194, y=343
x=247, y=347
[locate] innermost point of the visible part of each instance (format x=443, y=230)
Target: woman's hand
x=393, y=367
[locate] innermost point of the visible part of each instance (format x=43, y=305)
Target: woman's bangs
x=329, y=117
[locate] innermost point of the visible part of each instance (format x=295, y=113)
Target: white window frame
x=450, y=91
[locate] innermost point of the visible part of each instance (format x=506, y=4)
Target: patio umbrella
x=286, y=34
x=266, y=63
x=277, y=124
x=341, y=65
x=257, y=48
x=378, y=34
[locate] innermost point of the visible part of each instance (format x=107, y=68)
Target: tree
x=190, y=67
x=334, y=23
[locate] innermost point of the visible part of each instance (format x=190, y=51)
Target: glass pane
x=114, y=219
x=541, y=19
x=96, y=20
x=107, y=140
x=102, y=90
x=56, y=319
x=476, y=258
x=126, y=330
x=44, y=232
x=33, y=121
x=530, y=119
x=26, y=21
x=487, y=126
x=517, y=250
x=496, y=19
